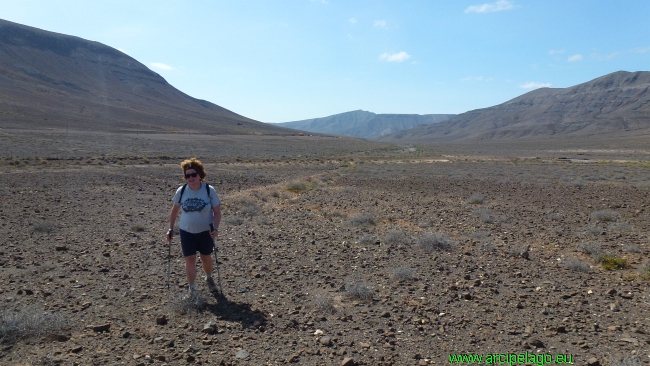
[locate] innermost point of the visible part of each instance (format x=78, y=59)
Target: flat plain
x=332, y=251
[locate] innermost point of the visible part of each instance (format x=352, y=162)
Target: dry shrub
x=404, y=274
x=233, y=220
x=250, y=210
x=43, y=227
x=593, y=249
x=593, y=230
x=433, y=242
x=604, y=215
x=362, y=220
x=626, y=361
x=395, y=237
x=358, y=290
x=476, y=199
x=577, y=265
x=367, y=239
x=188, y=302
x=28, y=322
x=324, y=303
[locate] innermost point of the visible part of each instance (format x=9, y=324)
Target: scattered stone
x=101, y=328
x=161, y=319
x=364, y=345
x=210, y=327
x=593, y=362
x=76, y=349
x=537, y=343
x=348, y=362
x=634, y=341
x=56, y=337
x=326, y=341
x=614, y=327
x=611, y=292
x=242, y=354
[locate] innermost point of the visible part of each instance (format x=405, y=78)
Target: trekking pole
x=170, y=234
x=216, y=262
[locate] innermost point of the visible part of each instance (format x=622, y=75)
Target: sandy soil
x=337, y=253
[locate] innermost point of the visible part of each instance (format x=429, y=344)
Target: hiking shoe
x=211, y=285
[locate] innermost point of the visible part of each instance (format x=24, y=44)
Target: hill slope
x=364, y=124
x=51, y=80
x=614, y=104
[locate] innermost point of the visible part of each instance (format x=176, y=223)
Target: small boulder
x=101, y=328
x=242, y=354
x=210, y=327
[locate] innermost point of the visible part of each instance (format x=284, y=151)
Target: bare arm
x=172, y=219
x=217, y=219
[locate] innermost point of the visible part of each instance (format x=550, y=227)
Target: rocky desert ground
x=332, y=252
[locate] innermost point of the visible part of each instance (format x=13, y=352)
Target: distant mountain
x=364, y=124
x=614, y=104
x=51, y=80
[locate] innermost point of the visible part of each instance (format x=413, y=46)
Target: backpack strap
x=207, y=190
x=180, y=197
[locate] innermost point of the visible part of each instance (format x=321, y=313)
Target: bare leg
x=206, y=260
x=190, y=268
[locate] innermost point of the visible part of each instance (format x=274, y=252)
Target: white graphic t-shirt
x=197, y=208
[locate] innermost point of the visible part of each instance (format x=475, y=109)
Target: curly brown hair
x=195, y=164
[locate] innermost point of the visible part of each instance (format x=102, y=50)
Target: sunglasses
x=191, y=175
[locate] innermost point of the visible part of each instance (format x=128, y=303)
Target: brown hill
x=51, y=80
x=613, y=105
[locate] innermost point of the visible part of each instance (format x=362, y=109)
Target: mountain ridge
x=53, y=80
x=615, y=103
x=364, y=124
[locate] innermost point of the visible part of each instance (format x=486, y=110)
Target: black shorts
x=199, y=242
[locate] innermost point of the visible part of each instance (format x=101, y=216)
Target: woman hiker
x=201, y=212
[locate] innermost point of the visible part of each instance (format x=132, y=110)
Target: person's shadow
x=228, y=310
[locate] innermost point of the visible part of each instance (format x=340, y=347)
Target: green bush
x=611, y=262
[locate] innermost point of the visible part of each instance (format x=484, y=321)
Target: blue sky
x=286, y=60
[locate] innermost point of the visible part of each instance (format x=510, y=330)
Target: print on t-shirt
x=194, y=205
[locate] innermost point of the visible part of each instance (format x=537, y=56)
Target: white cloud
x=395, y=57
x=575, y=58
x=500, y=5
x=534, y=85
x=352, y=20
x=161, y=66
x=380, y=23
x=641, y=50
x=555, y=52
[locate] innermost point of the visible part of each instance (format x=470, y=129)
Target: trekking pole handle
x=211, y=227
